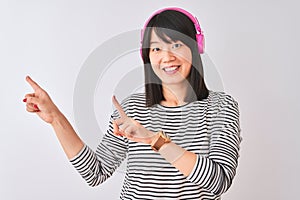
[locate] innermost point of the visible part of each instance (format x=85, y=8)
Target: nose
x=167, y=56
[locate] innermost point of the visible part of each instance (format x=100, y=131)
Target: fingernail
x=24, y=100
x=35, y=106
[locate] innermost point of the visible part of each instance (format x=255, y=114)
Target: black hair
x=175, y=26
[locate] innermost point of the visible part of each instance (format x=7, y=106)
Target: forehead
x=155, y=38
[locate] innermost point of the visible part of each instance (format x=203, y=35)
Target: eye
x=176, y=45
x=155, y=49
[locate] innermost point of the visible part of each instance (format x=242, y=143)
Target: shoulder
x=221, y=100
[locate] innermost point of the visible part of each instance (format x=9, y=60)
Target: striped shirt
x=209, y=128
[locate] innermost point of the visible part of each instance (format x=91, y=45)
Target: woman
x=181, y=140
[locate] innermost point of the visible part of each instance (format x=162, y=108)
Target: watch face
x=160, y=141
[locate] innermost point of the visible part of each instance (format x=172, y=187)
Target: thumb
x=32, y=100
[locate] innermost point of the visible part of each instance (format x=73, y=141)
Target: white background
x=253, y=44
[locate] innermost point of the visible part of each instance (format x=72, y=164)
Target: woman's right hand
x=39, y=102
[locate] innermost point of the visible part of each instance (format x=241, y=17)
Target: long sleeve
x=209, y=128
x=96, y=167
x=216, y=171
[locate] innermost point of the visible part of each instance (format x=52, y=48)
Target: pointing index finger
x=32, y=83
x=118, y=107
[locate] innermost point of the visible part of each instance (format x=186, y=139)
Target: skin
x=163, y=55
x=48, y=111
x=174, y=89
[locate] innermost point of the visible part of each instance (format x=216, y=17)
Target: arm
x=69, y=140
x=214, y=172
x=95, y=168
x=131, y=129
x=40, y=103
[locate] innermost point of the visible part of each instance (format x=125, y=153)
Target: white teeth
x=168, y=69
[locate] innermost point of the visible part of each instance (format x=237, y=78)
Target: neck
x=174, y=95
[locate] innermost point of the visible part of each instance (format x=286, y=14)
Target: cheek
x=153, y=59
x=155, y=68
x=154, y=62
x=187, y=57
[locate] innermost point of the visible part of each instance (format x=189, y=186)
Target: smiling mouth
x=171, y=69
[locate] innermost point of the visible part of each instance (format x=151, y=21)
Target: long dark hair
x=175, y=26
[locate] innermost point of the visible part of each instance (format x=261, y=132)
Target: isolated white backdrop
x=253, y=45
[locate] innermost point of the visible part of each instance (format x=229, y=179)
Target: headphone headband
x=199, y=33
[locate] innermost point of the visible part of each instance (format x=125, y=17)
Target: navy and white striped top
x=210, y=128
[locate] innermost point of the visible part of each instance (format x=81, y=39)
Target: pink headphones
x=199, y=33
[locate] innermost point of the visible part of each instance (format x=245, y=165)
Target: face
x=171, y=62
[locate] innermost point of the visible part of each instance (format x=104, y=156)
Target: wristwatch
x=161, y=139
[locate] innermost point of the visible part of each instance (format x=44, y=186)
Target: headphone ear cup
x=201, y=42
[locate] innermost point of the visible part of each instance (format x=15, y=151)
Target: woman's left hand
x=130, y=128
